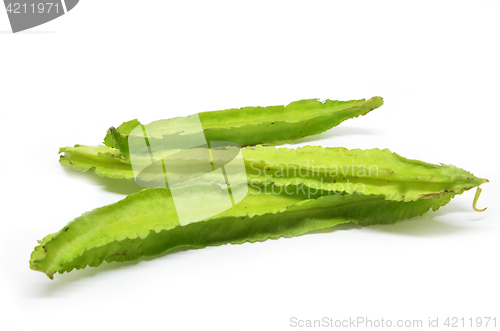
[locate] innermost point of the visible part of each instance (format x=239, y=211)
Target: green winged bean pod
x=247, y=126
x=146, y=224
x=372, y=171
x=315, y=188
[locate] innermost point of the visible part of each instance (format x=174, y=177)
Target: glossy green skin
x=248, y=126
x=146, y=224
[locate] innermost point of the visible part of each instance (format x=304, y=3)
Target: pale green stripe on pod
x=145, y=224
x=273, y=125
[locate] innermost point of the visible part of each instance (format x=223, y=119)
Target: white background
x=436, y=63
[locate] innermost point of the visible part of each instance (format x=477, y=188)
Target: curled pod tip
x=476, y=197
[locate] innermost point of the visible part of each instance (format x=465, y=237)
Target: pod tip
x=476, y=197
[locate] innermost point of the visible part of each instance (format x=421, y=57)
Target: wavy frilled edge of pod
x=146, y=224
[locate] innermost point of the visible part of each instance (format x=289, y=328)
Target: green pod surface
x=247, y=126
x=372, y=171
x=146, y=223
x=106, y=161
